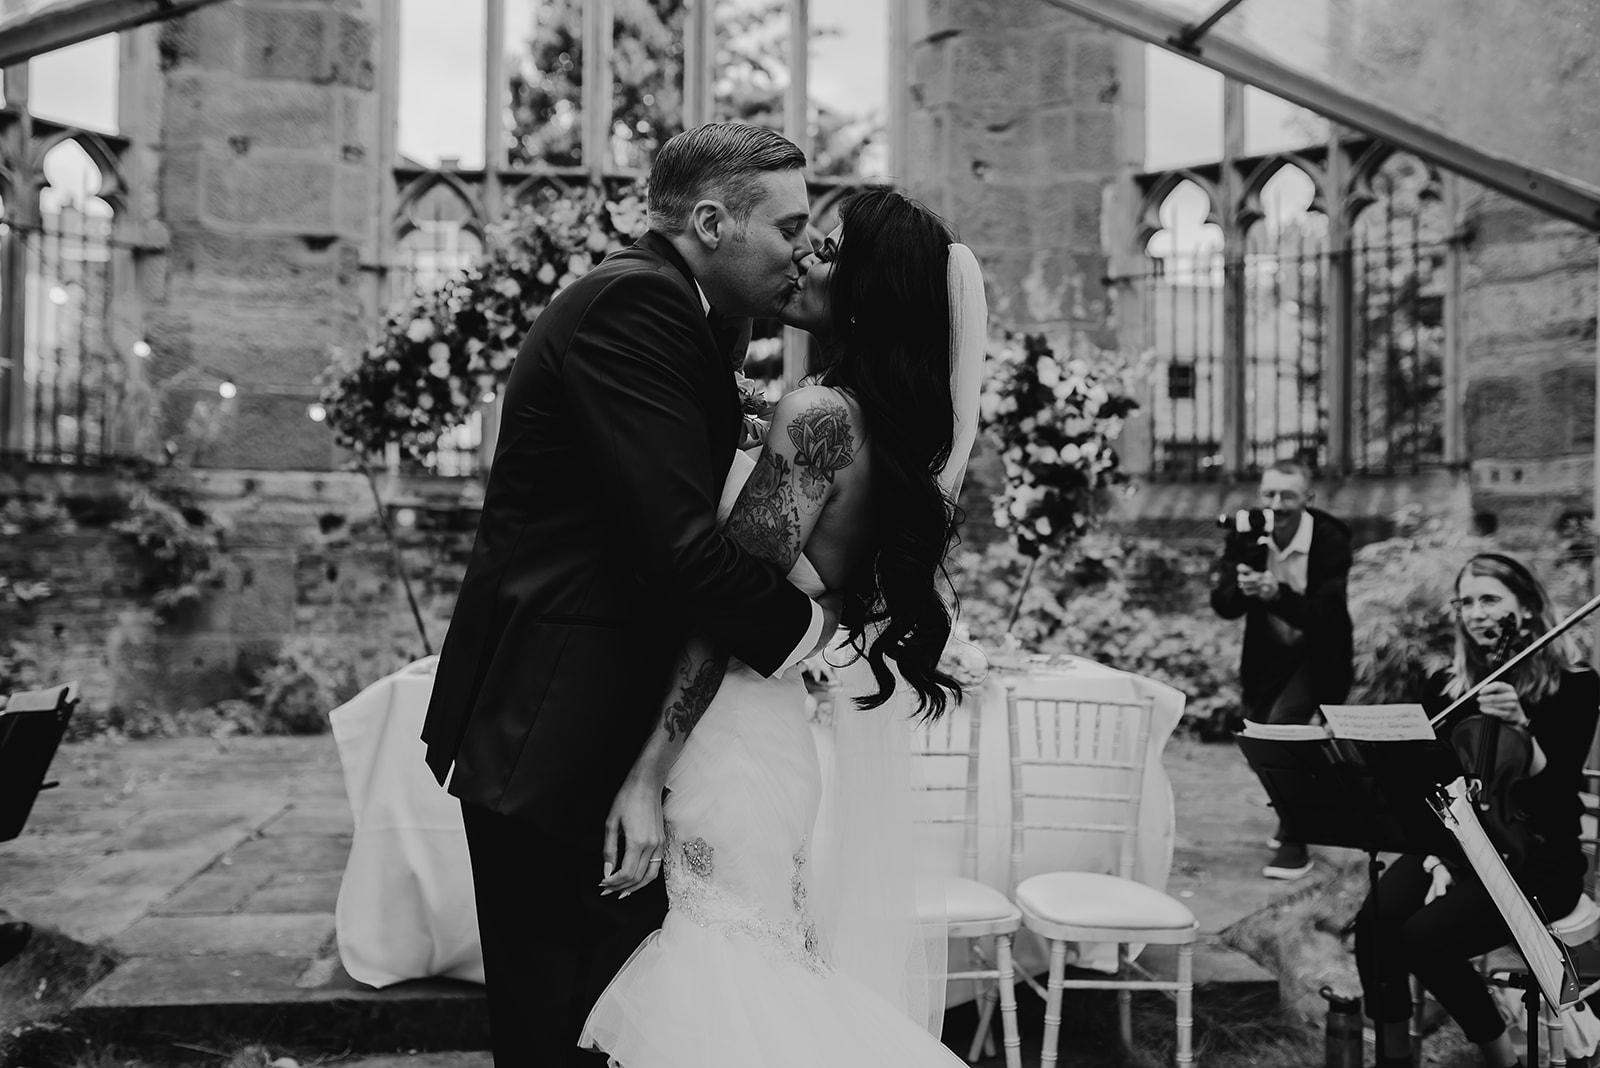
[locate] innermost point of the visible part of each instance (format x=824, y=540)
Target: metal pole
x=596, y=102
x=699, y=58
x=495, y=94
x=23, y=213
x=1236, y=415
x=797, y=128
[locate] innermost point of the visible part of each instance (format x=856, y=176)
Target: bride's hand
x=635, y=831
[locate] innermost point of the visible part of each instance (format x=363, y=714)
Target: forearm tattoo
x=821, y=438
x=697, y=688
x=766, y=521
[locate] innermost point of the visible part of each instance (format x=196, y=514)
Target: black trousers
x=551, y=943
x=1294, y=703
x=1436, y=942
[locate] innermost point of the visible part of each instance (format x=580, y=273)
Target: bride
x=792, y=940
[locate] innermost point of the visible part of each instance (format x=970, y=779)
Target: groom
x=596, y=553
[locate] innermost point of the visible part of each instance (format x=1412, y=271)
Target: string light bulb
x=141, y=349
x=316, y=413
x=228, y=391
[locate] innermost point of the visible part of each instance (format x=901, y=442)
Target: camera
x=1245, y=535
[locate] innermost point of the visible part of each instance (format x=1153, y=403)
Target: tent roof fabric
x=1506, y=93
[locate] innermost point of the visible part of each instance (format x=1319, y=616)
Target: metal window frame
x=1561, y=196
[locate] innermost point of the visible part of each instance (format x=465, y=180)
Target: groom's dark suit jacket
x=597, y=550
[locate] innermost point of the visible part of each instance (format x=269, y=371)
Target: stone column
x=1016, y=134
x=269, y=134
x=1528, y=346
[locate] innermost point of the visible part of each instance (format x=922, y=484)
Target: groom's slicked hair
x=721, y=161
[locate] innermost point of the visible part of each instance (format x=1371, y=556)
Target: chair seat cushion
x=1089, y=899
x=1579, y=925
x=969, y=901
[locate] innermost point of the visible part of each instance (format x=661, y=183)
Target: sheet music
x=1378, y=723
x=1285, y=732
x=1548, y=963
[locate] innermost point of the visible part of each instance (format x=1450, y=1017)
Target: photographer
x=1284, y=568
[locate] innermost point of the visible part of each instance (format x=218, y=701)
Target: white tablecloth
x=405, y=907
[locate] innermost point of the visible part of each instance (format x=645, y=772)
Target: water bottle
x=1344, y=1030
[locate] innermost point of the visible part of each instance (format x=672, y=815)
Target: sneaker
x=1291, y=861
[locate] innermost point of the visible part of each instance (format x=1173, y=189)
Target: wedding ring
x=654, y=860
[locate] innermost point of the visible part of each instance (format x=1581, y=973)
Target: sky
x=441, y=105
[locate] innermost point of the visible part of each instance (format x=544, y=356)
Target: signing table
x=405, y=907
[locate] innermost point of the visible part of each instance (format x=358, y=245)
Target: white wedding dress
x=736, y=977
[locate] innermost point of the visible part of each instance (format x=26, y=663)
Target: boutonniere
x=755, y=411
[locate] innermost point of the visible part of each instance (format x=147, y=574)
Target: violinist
x=1432, y=917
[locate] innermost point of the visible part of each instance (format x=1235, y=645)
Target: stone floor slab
x=145, y=981
x=293, y=853
x=217, y=890
x=453, y=1059
x=212, y=828
x=319, y=818
x=286, y=934
x=296, y=892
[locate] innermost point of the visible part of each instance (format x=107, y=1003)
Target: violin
x=1497, y=755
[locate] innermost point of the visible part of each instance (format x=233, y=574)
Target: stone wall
x=1017, y=134
x=304, y=557
x=267, y=148
x=1528, y=352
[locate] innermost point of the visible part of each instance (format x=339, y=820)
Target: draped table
x=405, y=908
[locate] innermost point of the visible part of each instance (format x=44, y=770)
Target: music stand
x=32, y=724
x=1369, y=796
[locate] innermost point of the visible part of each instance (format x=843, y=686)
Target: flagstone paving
x=209, y=870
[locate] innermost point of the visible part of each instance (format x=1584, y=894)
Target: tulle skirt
x=735, y=979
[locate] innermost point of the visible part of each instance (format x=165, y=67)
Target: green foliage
x=309, y=678
x=445, y=348
x=647, y=75
x=177, y=544
x=1080, y=604
x=1398, y=594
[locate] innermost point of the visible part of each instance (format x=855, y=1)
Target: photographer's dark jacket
x=1320, y=613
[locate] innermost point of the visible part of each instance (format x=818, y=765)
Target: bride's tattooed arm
x=811, y=440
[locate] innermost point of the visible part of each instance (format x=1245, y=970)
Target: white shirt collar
x=1301, y=542
x=705, y=305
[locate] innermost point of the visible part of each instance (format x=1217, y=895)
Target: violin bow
x=1533, y=647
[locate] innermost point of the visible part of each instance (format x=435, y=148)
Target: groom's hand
x=635, y=834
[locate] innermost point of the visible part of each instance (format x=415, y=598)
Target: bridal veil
x=877, y=920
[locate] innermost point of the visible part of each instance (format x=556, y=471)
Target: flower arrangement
x=445, y=350
x=1054, y=416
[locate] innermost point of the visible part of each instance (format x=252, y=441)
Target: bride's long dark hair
x=889, y=297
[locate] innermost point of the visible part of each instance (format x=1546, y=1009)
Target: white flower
x=508, y=288
x=546, y=274
x=989, y=405
x=1047, y=454
x=419, y=330
x=1069, y=453
x=1048, y=373
x=425, y=402
x=1097, y=396
x=1019, y=508
x=577, y=266
x=597, y=241
x=1042, y=525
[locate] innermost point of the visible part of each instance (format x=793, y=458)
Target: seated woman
x=1556, y=699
